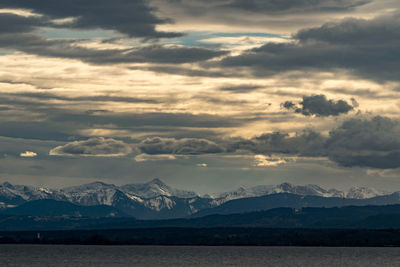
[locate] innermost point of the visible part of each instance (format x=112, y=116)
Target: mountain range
x=156, y=200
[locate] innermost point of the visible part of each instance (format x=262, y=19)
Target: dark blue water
x=32, y=255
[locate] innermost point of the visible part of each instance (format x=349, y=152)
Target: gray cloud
x=366, y=48
x=132, y=17
x=32, y=115
x=11, y=23
x=186, y=146
x=245, y=88
x=288, y=105
x=306, y=143
x=98, y=98
x=97, y=146
x=36, y=116
x=319, y=105
x=134, y=120
x=366, y=143
x=184, y=71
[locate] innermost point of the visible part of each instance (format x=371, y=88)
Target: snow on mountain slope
x=92, y=194
x=155, y=197
x=160, y=202
x=23, y=193
x=364, y=192
x=155, y=188
x=306, y=190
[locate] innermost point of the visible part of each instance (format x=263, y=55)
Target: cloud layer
x=97, y=147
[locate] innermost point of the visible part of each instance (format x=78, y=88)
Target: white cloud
x=147, y=157
x=270, y=161
x=28, y=154
x=19, y=12
x=242, y=43
x=202, y=165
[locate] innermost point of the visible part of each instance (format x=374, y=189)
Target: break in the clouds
x=37, y=45
x=319, y=105
x=97, y=147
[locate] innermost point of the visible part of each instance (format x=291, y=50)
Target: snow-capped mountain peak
x=7, y=184
x=87, y=187
x=96, y=193
x=155, y=188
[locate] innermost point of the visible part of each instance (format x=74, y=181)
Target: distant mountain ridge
x=156, y=200
x=350, y=217
x=303, y=190
x=54, y=208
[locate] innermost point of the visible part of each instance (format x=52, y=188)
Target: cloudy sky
x=205, y=95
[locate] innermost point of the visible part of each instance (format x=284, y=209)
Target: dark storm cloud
x=272, y=6
x=11, y=23
x=186, y=146
x=319, y=105
x=132, y=17
x=366, y=48
x=372, y=143
x=366, y=143
x=96, y=146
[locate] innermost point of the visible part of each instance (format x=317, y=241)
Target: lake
x=43, y=255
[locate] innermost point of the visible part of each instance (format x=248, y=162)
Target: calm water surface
x=33, y=255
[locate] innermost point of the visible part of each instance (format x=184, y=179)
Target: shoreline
x=210, y=237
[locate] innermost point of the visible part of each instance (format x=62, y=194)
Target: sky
x=204, y=95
